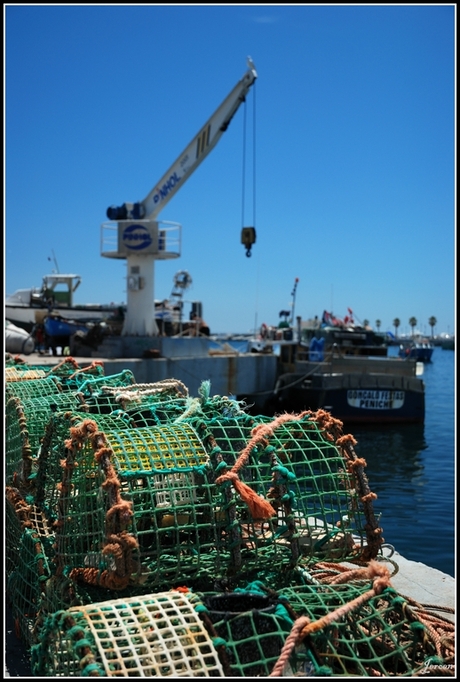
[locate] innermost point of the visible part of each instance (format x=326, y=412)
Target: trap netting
x=39, y=381
x=26, y=420
x=292, y=489
x=359, y=629
x=153, y=506
x=118, y=489
x=33, y=388
x=156, y=635
x=142, y=404
x=350, y=627
x=30, y=404
x=23, y=373
x=30, y=574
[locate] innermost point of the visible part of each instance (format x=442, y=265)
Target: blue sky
x=349, y=163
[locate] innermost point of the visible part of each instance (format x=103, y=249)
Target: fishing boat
x=352, y=338
x=344, y=368
x=355, y=389
x=27, y=307
x=418, y=348
x=322, y=334
x=448, y=343
x=61, y=332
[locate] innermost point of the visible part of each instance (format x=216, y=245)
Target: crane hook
x=248, y=238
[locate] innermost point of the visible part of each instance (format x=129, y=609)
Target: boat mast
x=296, y=281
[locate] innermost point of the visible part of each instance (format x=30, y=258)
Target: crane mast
x=141, y=238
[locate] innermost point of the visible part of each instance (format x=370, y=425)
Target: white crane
x=140, y=238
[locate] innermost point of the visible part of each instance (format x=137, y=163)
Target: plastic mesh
x=158, y=635
x=23, y=374
x=27, y=581
x=182, y=518
x=33, y=388
x=26, y=419
x=315, y=494
x=381, y=637
x=238, y=634
x=115, y=489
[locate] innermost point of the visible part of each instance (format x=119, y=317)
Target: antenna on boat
x=55, y=261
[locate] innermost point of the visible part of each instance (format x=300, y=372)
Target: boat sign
x=375, y=399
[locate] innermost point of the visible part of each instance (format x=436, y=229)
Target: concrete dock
x=190, y=361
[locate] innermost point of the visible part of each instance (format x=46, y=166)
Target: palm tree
x=413, y=324
x=396, y=323
x=432, y=322
x=378, y=324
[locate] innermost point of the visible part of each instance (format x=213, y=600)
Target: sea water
x=411, y=468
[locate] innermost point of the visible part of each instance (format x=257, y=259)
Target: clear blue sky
x=349, y=180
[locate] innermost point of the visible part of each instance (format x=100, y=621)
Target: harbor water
x=411, y=468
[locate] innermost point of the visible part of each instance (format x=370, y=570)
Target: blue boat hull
x=422, y=353
x=58, y=327
x=59, y=331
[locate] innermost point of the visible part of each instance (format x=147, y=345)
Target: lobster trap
x=152, y=506
x=156, y=635
x=33, y=388
x=208, y=525
x=25, y=426
x=319, y=630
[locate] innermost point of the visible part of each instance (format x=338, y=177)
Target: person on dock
x=38, y=333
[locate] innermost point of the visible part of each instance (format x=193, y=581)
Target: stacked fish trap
x=333, y=630
x=154, y=534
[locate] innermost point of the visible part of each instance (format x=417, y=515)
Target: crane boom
x=190, y=158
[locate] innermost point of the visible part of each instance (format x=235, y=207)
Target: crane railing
x=164, y=236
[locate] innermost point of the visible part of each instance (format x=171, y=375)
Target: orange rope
x=381, y=576
x=119, y=544
x=259, y=508
x=89, y=368
x=70, y=360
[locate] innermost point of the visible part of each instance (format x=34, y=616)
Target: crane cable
x=248, y=234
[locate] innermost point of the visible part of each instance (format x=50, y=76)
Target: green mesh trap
x=33, y=388
x=153, y=506
x=28, y=578
x=20, y=373
x=26, y=420
x=315, y=488
x=145, y=404
x=158, y=635
x=117, y=489
x=382, y=637
x=124, y=499
x=89, y=385
x=251, y=632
